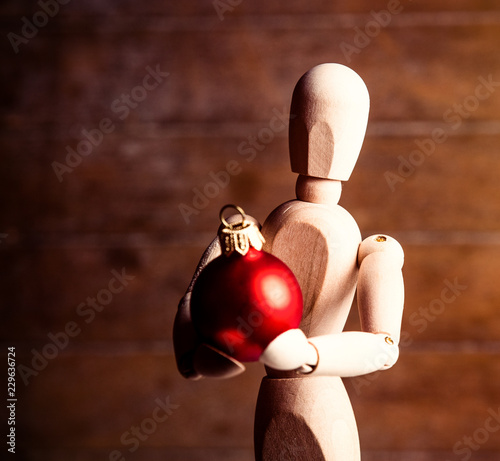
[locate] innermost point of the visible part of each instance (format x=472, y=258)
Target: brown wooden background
x=119, y=210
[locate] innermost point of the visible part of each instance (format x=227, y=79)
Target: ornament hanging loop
x=238, y=209
x=239, y=236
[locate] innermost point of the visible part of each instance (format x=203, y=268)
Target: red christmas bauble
x=240, y=303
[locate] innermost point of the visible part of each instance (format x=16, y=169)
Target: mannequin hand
x=290, y=351
x=194, y=358
x=213, y=363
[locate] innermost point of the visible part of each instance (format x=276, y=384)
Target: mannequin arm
x=380, y=304
x=346, y=354
x=381, y=286
x=194, y=358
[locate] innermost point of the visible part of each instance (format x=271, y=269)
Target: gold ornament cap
x=239, y=236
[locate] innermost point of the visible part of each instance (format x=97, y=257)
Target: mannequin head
x=328, y=118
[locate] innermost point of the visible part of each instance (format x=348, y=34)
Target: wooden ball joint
x=303, y=411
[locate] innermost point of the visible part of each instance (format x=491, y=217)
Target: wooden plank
x=96, y=398
x=208, y=81
x=179, y=185
x=422, y=455
x=398, y=185
x=261, y=7
x=146, y=454
x=416, y=402
x=99, y=398
x=226, y=454
x=139, y=185
x=452, y=296
x=102, y=291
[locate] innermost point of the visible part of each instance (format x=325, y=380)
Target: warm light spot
x=276, y=291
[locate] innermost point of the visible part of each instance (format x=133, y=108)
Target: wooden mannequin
x=303, y=411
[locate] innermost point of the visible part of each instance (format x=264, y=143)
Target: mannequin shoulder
x=297, y=218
